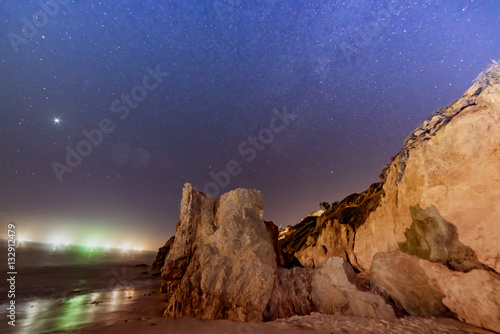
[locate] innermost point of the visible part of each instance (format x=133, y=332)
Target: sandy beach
x=138, y=308
x=142, y=313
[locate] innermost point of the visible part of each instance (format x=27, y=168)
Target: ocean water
x=56, y=289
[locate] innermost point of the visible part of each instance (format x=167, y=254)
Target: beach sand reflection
x=61, y=315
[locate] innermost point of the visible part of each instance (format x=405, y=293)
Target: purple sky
x=185, y=91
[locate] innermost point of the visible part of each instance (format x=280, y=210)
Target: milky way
x=108, y=108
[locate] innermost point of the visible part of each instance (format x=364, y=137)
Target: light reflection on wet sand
x=70, y=314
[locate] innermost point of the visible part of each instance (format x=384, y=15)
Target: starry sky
x=306, y=101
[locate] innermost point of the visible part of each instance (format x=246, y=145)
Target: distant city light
x=21, y=239
x=60, y=242
x=56, y=243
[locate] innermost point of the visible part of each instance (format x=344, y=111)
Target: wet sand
x=72, y=313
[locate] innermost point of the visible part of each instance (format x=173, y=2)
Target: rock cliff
x=222, y=262
x=225, y=262
x=450, y=169
x=162, y=254
x=436, y=210
x=332, y=233
x=438, y=197
x=332, y=288
x=425, y=238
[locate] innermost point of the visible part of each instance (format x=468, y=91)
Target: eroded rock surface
x=332, y=288
x=432, y=238
x=283, y=259
x=438, y=202
x=452, y=163
x=222, y=263
x=424, y=288
x=332, y=234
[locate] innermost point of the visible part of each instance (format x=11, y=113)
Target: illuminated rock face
x=333, y=233
x=223, y=265
x=451, y=166
x=441, y=208
x=331, y=288
x=424, y=288
x=222, y=262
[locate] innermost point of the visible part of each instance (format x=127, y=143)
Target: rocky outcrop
x=332, y=234
x=162, y=254
x=332, y=288
x=402, y=280
x=436, y=211
x=424, y=288
x=222, y=263
x=438, y=201
x=449, y=167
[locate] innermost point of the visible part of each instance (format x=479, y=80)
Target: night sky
x=306, y=101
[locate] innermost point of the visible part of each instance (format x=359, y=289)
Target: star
x=57, y=120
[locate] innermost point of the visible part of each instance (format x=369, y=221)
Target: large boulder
x=332, y=288
x=398, y=276
x=450, y=164
x=424, y=288
x=222, y=263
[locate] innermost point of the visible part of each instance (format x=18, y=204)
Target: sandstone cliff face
x=283, y=259
x=332, y=288
x=332, y=234
x=222, y=263
x=436, y=211
x=451, y=164
x=424, y=288
x=439, y=201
